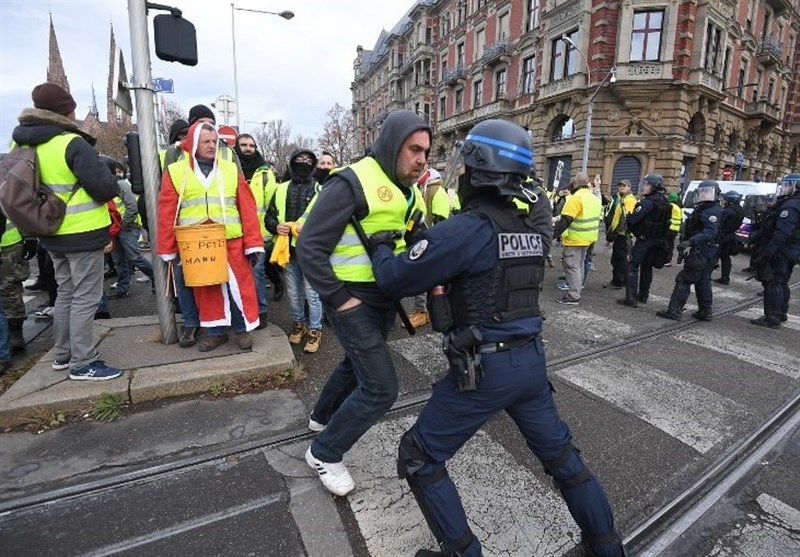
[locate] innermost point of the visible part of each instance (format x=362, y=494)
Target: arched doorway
x=627, y=167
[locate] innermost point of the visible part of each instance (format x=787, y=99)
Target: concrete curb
x=43, y=392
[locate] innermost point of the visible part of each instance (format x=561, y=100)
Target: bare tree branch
x=339, y=135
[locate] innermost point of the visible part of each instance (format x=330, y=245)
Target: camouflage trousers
x=15, y=270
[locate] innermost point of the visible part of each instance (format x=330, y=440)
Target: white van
x=753, y=194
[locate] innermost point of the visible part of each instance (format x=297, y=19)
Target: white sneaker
x=314, y=425
x=142, y=278
x=334, y=475
x=114, y=286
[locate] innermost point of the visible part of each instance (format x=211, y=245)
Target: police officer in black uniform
x=777, y=251
x=732, y=217
x=700, y=239
x=649, y=222
x=489, y=261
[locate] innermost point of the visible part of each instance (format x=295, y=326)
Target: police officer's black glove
x=383, y=237
x=29, y=248
x=683, y=246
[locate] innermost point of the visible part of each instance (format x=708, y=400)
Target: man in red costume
x=204, y=188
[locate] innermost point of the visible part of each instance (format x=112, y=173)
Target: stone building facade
x=687, y=88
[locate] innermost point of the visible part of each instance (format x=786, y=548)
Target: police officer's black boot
x=769, y=319
x=674, y=310
x=630, y=297
x=703, y=313
x=16, y=342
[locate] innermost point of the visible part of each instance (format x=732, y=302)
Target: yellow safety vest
x=11, y=236
x=584, y=228
x=387, y=211
x=84, y=214
x=628, y=202
x=263, y=185
x=198, y=204
x=676, y=218
x=120, y=203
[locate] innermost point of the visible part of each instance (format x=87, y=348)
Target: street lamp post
x=286, y=14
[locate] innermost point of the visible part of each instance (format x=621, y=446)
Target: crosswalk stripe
x=741, y=347
x=727, y=292
x=590, y=326
x=423, y=352
x=690, y=413
x=534, y=521
x=660, y=302
x=754, y=313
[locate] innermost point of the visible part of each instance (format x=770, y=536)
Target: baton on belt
x=362, y=236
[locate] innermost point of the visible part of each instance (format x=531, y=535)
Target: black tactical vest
x=732, y=219
x=656, y=223
x=694, y=224
x=511, y=290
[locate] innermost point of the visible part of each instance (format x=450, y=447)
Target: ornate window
x=646, y=36
x=528, y=75
x=564, y=129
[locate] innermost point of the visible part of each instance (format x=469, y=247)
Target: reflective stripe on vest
x=83, y=214
x=584, y=230
x=387, y=211
x=199, y=204
x=11, y=236
x=263, y=186
x=676, y=218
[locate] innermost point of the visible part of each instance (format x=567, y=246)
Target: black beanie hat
x=200, y=111
x=49, y=96
x=177, y=127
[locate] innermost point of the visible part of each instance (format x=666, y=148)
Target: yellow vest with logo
x=676, y=218
x=11, y=236
x=84, y=214
x=198, y=204
x=387, y=211
x=263, y=186
x=584, y=228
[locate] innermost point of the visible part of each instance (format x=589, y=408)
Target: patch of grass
x=108, y=407
x=217, y=389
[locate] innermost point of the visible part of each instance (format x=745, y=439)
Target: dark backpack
x=29, y=204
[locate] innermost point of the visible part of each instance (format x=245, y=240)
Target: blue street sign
x=162, y=85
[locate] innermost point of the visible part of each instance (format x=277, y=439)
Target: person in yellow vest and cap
x=204, y=188
x=578, y=228
x=377, y=192
x=622, y=204
x=68, y=165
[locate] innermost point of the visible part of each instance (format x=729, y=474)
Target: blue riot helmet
x=706, y=191
x=498, y=154
x=650, y=183
x=732, y=197
x=787, y=185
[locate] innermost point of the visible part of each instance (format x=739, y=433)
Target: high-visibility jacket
x=628, y=203
x=585, y=209
x=263, y=185
x=437, y=203
x=11, y=236
x=83, y=214
x=676, y=218
x=217, y=203
x=388, y=210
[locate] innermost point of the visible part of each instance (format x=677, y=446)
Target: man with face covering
x=286, y=207
x=377, y=191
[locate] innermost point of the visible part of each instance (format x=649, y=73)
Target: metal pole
x=235, y=76
x=588, y=134
x=146, y=123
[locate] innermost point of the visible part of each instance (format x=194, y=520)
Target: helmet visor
x=645, y=187
x=705, y=193
x=786, y=187
x=454, y=166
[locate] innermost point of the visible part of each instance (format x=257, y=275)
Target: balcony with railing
x=779, y=6
x=497, y=109
x=769, y=52
x=762, y=109
x=708, y=79
x=451, y=76
x=496, y=53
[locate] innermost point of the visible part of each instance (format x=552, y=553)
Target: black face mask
x=321, y=174
x=302, y=170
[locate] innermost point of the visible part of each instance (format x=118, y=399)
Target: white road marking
x=423, y=352
x=727, y=292
x=741, y=347
x=780, y=510
x=690, y=413
x=588, y=325
x=755, y=312
x=661, y=302
x=508, y=508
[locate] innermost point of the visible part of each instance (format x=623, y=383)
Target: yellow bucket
x=204, y=256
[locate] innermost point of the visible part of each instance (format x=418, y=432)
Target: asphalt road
x=649, y=417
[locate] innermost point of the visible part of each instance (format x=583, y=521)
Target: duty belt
x=493, y=347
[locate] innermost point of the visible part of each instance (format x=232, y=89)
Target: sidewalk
x=152, y=370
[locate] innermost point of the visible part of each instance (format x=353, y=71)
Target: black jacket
x=40, y=126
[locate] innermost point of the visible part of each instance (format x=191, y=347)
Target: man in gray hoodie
x=377, y=191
